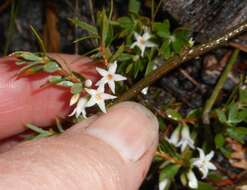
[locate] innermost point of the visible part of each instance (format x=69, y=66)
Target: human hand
x=107, y=151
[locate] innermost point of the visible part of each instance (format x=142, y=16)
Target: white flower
x=88, y=83
x=142, y=42
x=80, y=108
x=193, y=182
x=109, y=77
x=174, y=138
x=203, y=162
x=98, y=97
x=145, y=91
x=185, y=140
x=191, y=42
x=163, y=184
x=74, y=99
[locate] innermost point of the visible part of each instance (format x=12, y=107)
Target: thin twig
x=210, y=102
x=239, y=46
x=185, y=56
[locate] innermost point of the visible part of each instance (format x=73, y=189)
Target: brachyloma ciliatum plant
x=129, y=48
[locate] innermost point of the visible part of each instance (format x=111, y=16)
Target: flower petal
x=113, y=67
x=210, y=156
x=101, y=105
x=174, y=138
x=204, y=171
x=112, y=86
x=201, y=153
x=150, y=44
x=91, y=102
x=90, y=91
x=146, y=36
x=211, y=166
x=107, y=96
x=102, y=72
x=118, y=77
x=193, y=182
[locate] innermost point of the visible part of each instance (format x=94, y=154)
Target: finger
x=22, y=100
x=113, y=152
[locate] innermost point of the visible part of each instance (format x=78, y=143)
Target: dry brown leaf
x=238, y=157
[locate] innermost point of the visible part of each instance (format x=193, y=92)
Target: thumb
x=111, y=151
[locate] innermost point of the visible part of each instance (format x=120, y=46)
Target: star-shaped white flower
x=174, y=138
x=192, y=180
x=98, y=97
x=142, y=42
x=203, y=162
x=185, y=140
x=109, y=77
x=80, y=108
x=163, y=184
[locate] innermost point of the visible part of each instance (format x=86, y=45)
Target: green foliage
x=134, y=6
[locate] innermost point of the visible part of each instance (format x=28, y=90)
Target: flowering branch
x=185, y=56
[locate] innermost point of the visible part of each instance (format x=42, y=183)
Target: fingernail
x=129, y=128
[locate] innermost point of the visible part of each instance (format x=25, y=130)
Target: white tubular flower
x=192, y=180
x=203, y=162
x=80, y=108
x=98, y=97
x=163, y=184
x=142, y=42
x=185, y=140
x=74, y=99
x=174, y=138
x=109, y=77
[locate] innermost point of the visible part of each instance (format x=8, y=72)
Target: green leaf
x=227, y=152
x=204, y=186
x=85, y=26
x=42, y=133
x=129, y=68
x=85, y=38
x=221, y=115
x=174, y=115
x=20, y=62
x=165, y=49
x=105, y=27
x=233, y=114
x=51, y=67
x=162, y=29
x=27, y=67
x=118, y=53
x=76, y=88
x=134, y=6
x=40, y=41
x=237, y=133
x=149, y=68
x=243, y=95
x=55, y=79
x=242, y=115
x=125, y=57
x=178, y=45
x=66, y=83
x=169, y=171
x=219, y=140
x=125, y=22
x=28, y=56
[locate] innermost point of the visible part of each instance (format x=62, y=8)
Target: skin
x=107, y=151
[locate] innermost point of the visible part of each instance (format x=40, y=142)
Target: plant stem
x=210, y=102
x=185, y=56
